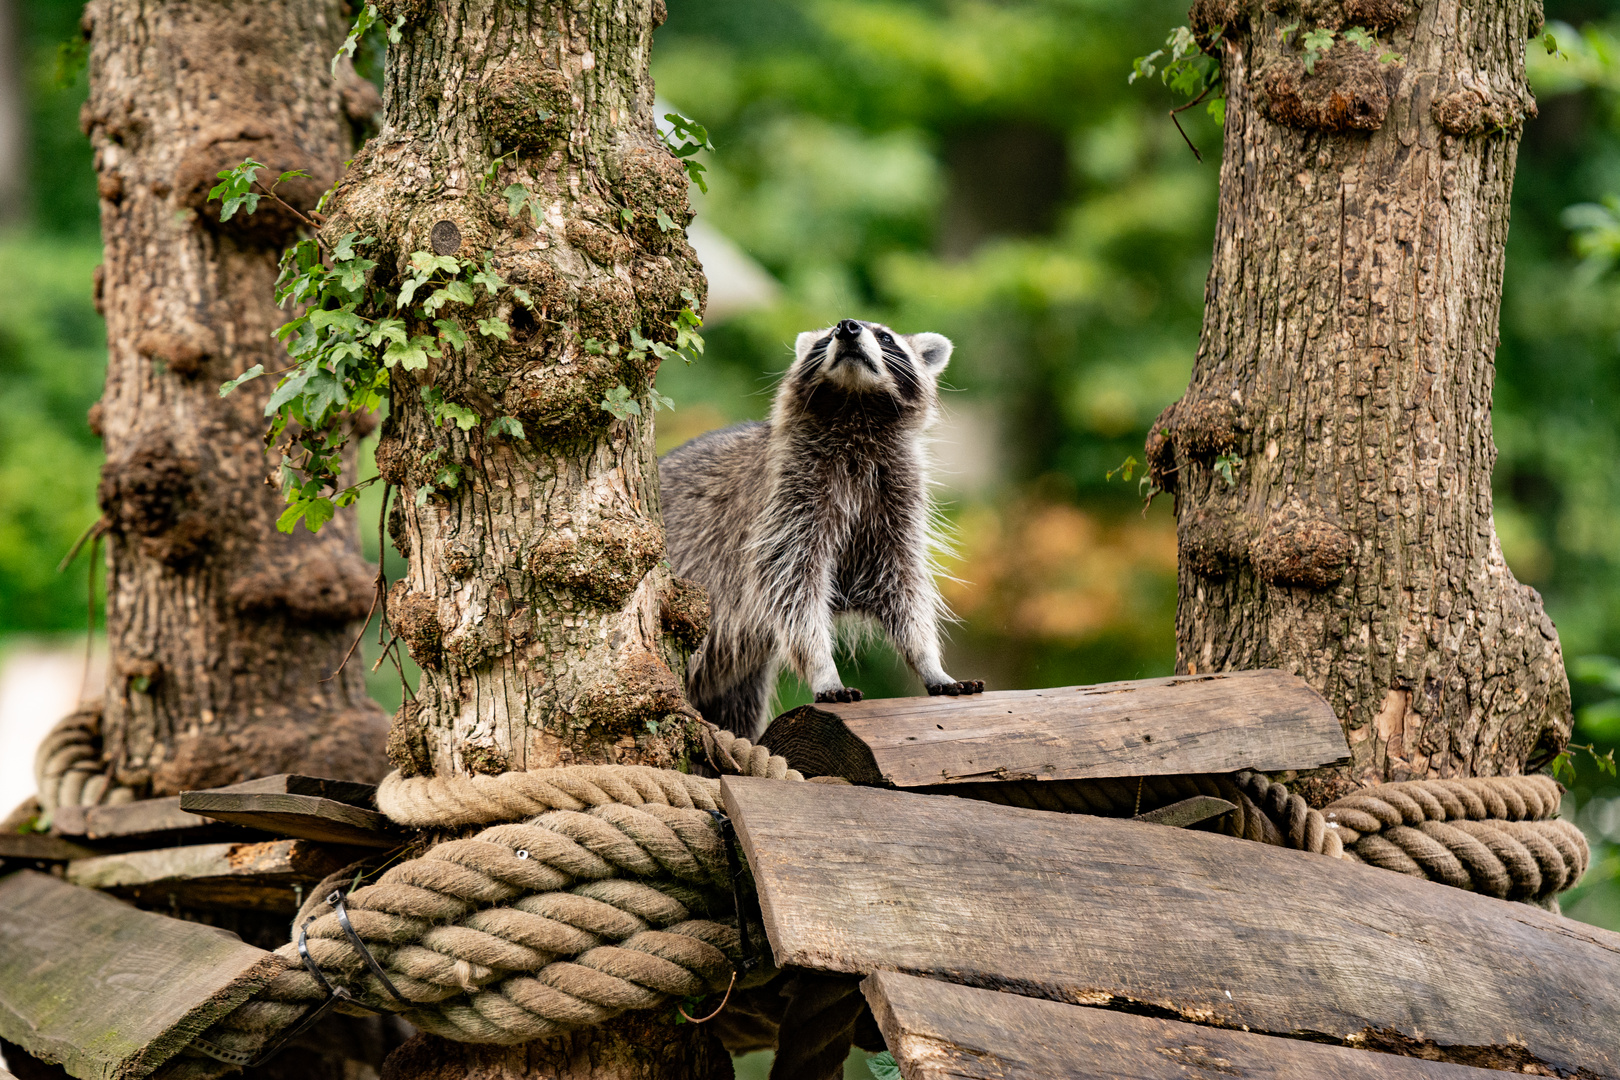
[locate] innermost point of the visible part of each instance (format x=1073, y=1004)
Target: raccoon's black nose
x=849, y=330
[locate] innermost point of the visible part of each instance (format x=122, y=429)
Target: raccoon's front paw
x=843, y=693
x=957, y=689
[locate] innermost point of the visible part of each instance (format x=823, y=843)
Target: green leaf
x=461, y=292
x=451, y=331
x=389, y=329
x=423, y=494
x=426, y=263
x=521, y=295
x=659, y=401
x=291, y=174
x=407, y=291
x=507, y=425
x=247, y=376
x=1359, y=37
x=342, y=318
x=516, y=196
x=620, y=403
x=665, y=222
x=464, y=418
x=491, y=281
x=495, y=328
x=883, y=1066
x=352, y=274
x=343, y=250
x=411, y=356
x=362, y=23
x=1125, y=469
x=290, y=387
x=313, y=512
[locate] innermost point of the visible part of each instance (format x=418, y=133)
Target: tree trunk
x=1332, y=457
x=223, y=634
x=537, y=601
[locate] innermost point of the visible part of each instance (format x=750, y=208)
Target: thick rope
x=604, y=902
x=1493, y=835
x=69, y=769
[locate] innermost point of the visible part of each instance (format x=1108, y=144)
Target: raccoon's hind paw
x=843, y=693
x=957, y=689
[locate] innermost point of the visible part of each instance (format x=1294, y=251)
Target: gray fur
x=822, y=512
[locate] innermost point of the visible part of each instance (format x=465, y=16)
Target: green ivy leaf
x=247, y=376
x=522, y=296
x=507, y=425
x=313, y=512
x=495, y=328
x=235, y=189
x=451, y=332
x=665, y=222
x=659, y=401
x=389, y=329
x=620, y=403
x=362, y=23
x=411, y=356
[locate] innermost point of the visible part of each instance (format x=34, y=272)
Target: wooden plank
x=305, y=816
x=105, y=990
x=38, y=847
x=263, y=876
x=1093, y=910
x=1187, y=812
x=154, y=822
x=1264, y=720
x=940, y=1031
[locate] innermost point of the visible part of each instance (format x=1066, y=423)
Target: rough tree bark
x=537, y=603
x=1344, y=378
x=222, y=632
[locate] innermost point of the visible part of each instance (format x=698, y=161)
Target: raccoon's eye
x=884, y=337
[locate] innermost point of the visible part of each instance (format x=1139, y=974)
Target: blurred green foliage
x=981, y=168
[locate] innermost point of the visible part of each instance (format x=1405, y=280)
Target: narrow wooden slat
x=37, y=847
x=344, y=791
x=1199, y=724
x=305, y=816
x=145, y=823
x=1095, y=910
x=263, y=876
x=105, y=990
x=940, y=1031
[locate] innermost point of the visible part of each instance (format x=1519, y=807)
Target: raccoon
x=818, y=513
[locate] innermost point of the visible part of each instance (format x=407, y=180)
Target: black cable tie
x=336, y=900
x=729, y=835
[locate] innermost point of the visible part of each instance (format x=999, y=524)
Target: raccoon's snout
x=849, y=330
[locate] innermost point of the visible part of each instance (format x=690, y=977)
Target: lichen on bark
x=223, y=634
x=1345, y=366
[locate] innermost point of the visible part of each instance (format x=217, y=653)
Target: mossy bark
x=1344, y=380
x=223, y=634
x=536, y=586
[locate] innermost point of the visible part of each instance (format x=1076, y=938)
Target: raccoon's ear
x=934, y=350
x=806, y=340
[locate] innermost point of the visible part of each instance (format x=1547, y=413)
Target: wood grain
x=305, y=816
x=105, y=990
x=1264, y=720
x=263, y=876
x=1093, y=910
x=941, y=1031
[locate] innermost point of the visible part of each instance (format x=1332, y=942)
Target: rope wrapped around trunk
x=69, y=769
x=615, y=895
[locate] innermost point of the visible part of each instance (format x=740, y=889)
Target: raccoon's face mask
x=869, y=358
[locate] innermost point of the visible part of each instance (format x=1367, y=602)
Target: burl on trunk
x=1332, y=457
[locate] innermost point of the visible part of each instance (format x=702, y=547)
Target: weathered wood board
x=153, y=822
x=262, y=876
x=1093, y=910
x=306, y=816
x=1264, y=720
x=38, y=847
x=941, y=1031
x=108, y=991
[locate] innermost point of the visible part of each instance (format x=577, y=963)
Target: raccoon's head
x=867, y=358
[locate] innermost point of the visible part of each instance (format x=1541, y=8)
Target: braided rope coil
x=1493, y=835
x=608, y=899
x=68, y=766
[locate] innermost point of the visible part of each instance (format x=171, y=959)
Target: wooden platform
x=1200, y=724
x=105, y=990
x=264, y=876
x=941, y=1031
x=1099, y=911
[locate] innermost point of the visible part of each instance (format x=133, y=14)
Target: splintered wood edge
x=198, y=1020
